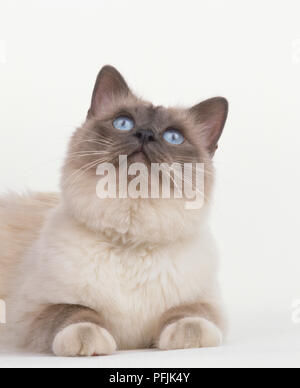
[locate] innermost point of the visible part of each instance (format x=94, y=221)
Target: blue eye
x=173, y=136
x=123, y=123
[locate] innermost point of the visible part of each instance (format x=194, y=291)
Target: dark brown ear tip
x=109, y=69
x=225, y=103
x=226, y=110
x=221, y=100
x=109, y=83
x=214, y=103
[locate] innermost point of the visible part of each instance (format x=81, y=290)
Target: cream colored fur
x=190, y=332
x=83, y=339
x=21, y=219
x=116, y=266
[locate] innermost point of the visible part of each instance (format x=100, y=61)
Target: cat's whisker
x=189, y=181
x=196, y=168
x=78, y=173
x=95, y=142
x=91, y=153
x=98, y=141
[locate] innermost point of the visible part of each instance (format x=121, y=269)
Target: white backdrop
x=176, y=52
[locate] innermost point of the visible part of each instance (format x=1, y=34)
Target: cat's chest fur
x=131, y=285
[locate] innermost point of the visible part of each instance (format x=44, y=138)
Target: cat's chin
x=131, y=220
x=139, y=157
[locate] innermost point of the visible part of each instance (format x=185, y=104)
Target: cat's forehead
x=157, y=116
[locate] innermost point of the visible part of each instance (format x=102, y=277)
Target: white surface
x=264, y=345
x=176, y=52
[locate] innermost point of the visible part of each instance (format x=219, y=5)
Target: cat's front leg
x=190, y=326
x=70, y=331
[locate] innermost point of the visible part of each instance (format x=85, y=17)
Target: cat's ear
x=211, y=116
x=109, y=85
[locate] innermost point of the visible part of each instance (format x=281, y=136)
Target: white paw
x=192, y=332
x=83, y=339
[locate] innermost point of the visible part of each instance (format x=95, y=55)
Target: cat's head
x=120, y=123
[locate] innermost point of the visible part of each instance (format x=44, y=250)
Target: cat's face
x=143, y=132
x=119, y=123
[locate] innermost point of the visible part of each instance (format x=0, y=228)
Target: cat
x=84, y=276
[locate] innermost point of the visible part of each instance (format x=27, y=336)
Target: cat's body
x=131, y=285
x=21, y=220
x=83, y=277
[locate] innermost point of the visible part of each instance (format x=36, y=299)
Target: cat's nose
x=145, y=135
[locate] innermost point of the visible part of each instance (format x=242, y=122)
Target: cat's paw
x=83, y=339
x=191, y=332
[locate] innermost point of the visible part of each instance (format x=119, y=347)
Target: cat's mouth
x=140, y=155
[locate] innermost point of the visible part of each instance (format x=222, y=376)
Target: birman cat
x=83, y=275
